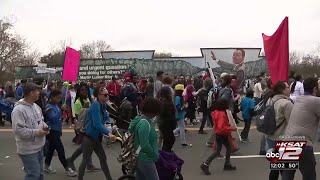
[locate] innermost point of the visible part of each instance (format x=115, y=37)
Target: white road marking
x=256, y=156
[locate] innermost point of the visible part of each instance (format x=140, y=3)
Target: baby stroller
x=168, y=165
x=6, y=108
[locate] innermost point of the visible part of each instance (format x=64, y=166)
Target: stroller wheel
x=125, y=170
x=178, y=176
x=127, y=177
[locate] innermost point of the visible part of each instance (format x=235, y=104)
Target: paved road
x=248, y=168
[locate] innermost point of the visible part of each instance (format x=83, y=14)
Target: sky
x=180, y=27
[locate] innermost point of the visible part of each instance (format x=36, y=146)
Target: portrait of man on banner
x=237, y=67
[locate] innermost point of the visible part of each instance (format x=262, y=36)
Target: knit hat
x=223, y=75
x=179, y=87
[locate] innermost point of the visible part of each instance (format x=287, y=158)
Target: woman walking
x=146, y=138
x=94, y=131
x=167, y=118
x=180, y=115
x=83, y=100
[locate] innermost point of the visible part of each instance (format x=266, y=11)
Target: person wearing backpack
x=83, y=100
x=282, y=110
x=54, y=117
x=222, y=130
x=145, y=139
x=202, y=103
x=95, y=129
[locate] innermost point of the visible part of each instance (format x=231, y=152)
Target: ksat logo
x=286, y=151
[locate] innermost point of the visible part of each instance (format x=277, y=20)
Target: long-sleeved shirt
x=257, y=90
x=304, y=118
x=298, y=91
x=156, y=87
x=114, y=88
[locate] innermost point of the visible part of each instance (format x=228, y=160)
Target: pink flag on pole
x=71, y=65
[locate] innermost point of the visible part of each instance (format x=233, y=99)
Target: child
x=222, y=128
x=180, y=115
x=54, y=117
x=146, y=138
x=247, y=108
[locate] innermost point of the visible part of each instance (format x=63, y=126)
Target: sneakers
x=93, y=169
x=71, y=164
x=205, y=169
x=71, y=173
x=49, y=170
x=246, y=141
x=209, y=144
x=229, y=167
x=186, y=145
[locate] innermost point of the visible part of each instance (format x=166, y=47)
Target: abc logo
x=272, y=155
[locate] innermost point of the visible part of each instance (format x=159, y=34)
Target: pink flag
x=71, y=65
x=276, y=48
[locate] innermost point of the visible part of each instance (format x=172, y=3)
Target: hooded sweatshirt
x=145, y=136
x=27, y=120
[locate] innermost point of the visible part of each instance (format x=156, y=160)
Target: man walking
x=303, y=122
x=30, y=131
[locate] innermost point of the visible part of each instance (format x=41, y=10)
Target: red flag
x=276, y=48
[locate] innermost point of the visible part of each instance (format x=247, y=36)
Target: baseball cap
x=29, y=87
x=223, y=75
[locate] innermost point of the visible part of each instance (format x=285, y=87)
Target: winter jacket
x=95, y=121
x=145, y=136
x=283, y=107
x=221, y=122
x=53, y=116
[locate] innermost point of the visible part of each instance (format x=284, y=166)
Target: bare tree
x=12, y=47
x=93, y=49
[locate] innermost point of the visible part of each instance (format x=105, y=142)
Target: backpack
x=213, y=96
x=266, y=119
x=128, y=155
x=202, y=100
x=79, y=125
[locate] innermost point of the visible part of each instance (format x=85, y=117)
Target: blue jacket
x=19, y=92
x=53, y=116
x=247, y=107
x=96, y=118
x=180, y=110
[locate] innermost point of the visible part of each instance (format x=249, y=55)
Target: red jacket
x=114, y=88
x=221, y=123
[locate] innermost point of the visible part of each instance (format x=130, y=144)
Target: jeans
x=181, y=129
x=33, y=165
x=88, y=146
x=307, y=166
x=221, y=140
x=146, y=170
x=274, y=174
x=263, y=144
x=246, y=129
x=55, y=144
